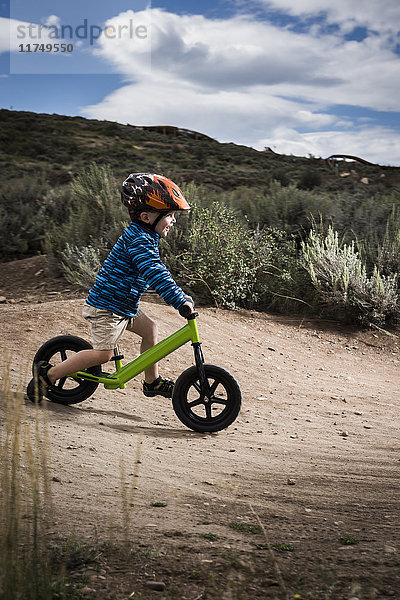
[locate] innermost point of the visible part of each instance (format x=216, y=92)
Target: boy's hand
x=186, y=309
x=190, y=301
x=190, y=305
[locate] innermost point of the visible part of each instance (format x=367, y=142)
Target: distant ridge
x=175, y=131
x=57, y=147
x=356, y=158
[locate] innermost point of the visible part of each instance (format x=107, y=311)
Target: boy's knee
x=105, y=355
x=153, y=329
x=150, y=332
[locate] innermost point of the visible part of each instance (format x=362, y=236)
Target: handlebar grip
x=185, y=311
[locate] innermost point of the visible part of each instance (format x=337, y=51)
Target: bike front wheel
x=67, y=390
x=208, y=411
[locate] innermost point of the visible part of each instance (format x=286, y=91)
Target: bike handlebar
x=185, y=311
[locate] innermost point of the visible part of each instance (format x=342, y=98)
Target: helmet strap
x=157, y=220
x=135, y=216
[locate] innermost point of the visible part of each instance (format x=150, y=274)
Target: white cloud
x=382, y=16
x=377, y=144
x=217, y=53
x=225, y=115
x=128, y=45
x=52, y=20
x=240, y=53
x=244, y=80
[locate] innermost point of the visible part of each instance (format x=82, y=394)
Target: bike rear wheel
x=207, y=412
x=67, y=390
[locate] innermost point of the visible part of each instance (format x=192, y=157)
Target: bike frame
x=125, y=373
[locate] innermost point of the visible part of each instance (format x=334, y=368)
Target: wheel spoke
x=61, y=382
x=196, y=386
x=194, y=403
x=218, y=400
x=214, y=387
x=208, y=411
x=63, y=353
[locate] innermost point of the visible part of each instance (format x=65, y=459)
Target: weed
x=26, y=570
x=283, y=547
x=349, y=540
x=245, y=527
x=77, y=554
x=177, y=534
x=212, y=537
x=159, y=504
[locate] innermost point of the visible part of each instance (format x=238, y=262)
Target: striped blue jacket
x=132, y=266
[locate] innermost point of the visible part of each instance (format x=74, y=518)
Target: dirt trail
x=313, y=457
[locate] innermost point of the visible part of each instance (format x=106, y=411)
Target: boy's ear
x=145, y=217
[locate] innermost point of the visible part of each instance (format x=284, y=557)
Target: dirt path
x=313, y=457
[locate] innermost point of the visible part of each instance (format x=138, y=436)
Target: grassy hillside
x=58, y=147
x=267, y=231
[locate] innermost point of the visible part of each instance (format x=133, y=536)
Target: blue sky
x=307, y=77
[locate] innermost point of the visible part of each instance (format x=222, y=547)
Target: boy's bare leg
x=144, y=327
x=77, y=362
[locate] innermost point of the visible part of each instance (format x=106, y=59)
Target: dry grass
x=25, y=498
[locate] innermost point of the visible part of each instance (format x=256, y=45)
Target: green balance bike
x=206, y=398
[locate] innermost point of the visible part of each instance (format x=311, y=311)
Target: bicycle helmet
x=150, y=192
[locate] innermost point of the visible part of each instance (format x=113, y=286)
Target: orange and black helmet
x=148, y=191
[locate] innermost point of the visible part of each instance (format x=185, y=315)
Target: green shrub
x=388, y=251
x=283, y=285
x=22, y=223
x=283, y=206
x=281, y=176
x=216, y=256
x=222, y=258
x=342, y=283
x=81, y=265
x=96, y=210
x=90, y=220
x=260, y=266
x=309, y=179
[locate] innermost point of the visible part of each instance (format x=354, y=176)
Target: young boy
x=132, y=266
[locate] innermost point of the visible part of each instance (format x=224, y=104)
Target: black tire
x=67, y=390
x=193, y=409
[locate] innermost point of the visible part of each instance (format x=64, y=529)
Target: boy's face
x=164, y=225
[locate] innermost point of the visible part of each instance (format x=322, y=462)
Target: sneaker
x=40, y=383
x=159, y=387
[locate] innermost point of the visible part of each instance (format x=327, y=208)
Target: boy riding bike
x=132, y=266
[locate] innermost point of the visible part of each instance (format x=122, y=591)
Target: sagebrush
x=240, y=248
x=340, y=278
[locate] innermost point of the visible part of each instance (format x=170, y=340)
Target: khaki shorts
x=107, y=327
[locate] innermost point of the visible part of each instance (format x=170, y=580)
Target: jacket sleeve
x=146, y=259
